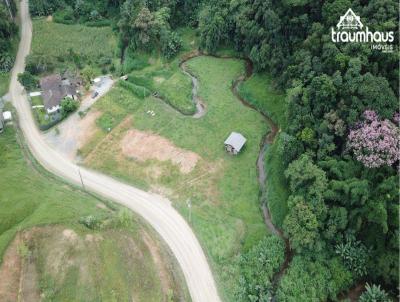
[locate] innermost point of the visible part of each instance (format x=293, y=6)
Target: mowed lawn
x=223, y=190
x=55, y=39
x=113, y=262
x=259, y=92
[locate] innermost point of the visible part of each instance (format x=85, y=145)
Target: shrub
x=354, y=255
x=124, y=218
x=137, y=90
x=257, y=267
x=68, y=105
x=65, y=16
x=374, y=294
x=171, y=44
x=28, y=80
x=313, y=280
x=6, y=62
x=89, y=221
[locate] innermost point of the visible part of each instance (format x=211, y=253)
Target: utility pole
x=80, y=175
x=189, y=204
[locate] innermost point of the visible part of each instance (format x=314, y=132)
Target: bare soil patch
x=87, y=127
x=159, y=263
x=10, y=272
x=143, y=146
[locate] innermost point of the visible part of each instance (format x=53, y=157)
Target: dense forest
x=8, y=30
x=340, y=147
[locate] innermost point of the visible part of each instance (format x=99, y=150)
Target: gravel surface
x=155, y=209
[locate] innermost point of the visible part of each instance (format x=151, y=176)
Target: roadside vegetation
x=337, y=154
x=8, y=43
x=72, y=246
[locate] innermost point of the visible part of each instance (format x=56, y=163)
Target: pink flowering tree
x=375, y=142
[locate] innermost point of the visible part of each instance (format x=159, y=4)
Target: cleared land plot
x=223, y=189
x=61, y=259
x=54, y=39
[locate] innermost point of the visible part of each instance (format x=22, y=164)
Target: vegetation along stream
x=267, y=140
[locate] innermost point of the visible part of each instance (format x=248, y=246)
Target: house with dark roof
x=55, y=89
x=234, y=143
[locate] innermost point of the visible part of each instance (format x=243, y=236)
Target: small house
x=55, y=89
x=234, y=143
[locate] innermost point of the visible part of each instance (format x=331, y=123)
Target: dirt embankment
x=40, y=260
x=143, y=145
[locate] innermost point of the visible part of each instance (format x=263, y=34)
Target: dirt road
x=153, y=208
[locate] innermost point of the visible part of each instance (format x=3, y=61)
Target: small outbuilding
x=234, y=143
x=1, y=122
x=4, y=118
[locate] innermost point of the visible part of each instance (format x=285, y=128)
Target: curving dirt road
x=155, y=209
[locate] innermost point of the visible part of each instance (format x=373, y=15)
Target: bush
x=65, y=16
x=374, y=294
x=44, y=7
x=258, y=267
x=37, y=64
x=124, y=219
x=90, y=222
x=6, y=62
x=313, y=280
x=139, y=91
x=171, y=44
x=68, y=105
x=28, y=80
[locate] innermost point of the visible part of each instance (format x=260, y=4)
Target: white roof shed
x=236, y=141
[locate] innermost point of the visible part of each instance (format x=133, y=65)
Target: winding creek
x=267, y=140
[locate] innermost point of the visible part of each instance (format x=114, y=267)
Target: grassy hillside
x=78, y=249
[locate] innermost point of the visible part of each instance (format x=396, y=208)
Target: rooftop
x=236, y=140
x=55, y=89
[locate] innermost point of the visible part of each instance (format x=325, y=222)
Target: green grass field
x=4, y=83
x=223, y=189
x=259, y=92
x=54, y=39
x=117, y=267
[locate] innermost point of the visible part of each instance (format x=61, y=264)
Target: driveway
x=155, y=209
x=72, y=133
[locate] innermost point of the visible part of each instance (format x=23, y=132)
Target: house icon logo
x=349, y=21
